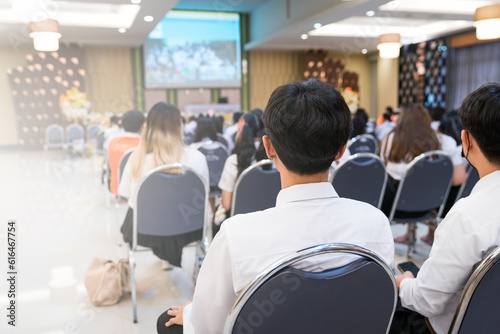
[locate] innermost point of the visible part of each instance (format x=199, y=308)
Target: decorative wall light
x=388, y=45
x=487, y=22
x=45, y=35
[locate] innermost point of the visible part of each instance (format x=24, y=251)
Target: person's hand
x=400, y=278
x=176, y=313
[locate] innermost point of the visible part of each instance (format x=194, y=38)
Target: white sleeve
x=458, y=247
x=449, y=145
x=214, y=294
x=229, y=174
x=124, y=188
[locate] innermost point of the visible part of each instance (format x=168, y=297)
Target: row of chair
x=58, y=137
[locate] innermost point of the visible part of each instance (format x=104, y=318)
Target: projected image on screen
x=194, y=49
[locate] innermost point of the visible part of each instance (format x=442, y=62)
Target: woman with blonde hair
x=412, y=136
x=161, y=144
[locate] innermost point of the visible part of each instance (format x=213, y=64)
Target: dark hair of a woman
x=413, y=135
x=244, y=147
x=205, y=128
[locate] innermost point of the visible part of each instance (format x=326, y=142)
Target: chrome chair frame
x=259, y=164
x=370, y=156
x=415, y=161
x=470, y=287
x=289, y=260
x=364, y=137
x=216, y=145
x=207, y=227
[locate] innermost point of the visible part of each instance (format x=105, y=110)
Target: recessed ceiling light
x=304, y=36
x=122, y=30
x=317, y=25
x=148, y=18
x=135, y=1
x=364, y=51
x=370, y=13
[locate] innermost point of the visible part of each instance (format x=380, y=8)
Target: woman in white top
x=160, y=144
x=411, y=137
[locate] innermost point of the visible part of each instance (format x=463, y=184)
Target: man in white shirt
x=308, y=124
x=471, y=229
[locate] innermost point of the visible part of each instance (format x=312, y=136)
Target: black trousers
x=406, y=321
x=162, y=329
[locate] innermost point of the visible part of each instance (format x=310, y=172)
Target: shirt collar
x=485, y=181
x=305, y=192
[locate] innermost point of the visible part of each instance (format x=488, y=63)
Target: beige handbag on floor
x=105, y=281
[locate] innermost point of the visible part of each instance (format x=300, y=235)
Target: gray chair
x=361, y=177
x=168, y=205
x=470, y=182
x=360, y=297
x=479, y=306
x=222, y=140
x=54, y=136
x=363, y=144
x=216, y=155
x=92, y=134
x=256, y=189
x=422, y=192
x=74, y=134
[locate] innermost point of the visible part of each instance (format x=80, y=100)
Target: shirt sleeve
x=229, y=174
x=214, y=294
x=458, y=247
x=449, y=145
x=124, y=188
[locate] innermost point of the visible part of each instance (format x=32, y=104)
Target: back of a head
x=308, y=124
x=205, y=129
x=236, y=116
x=436, y=113
x=480, y=115
x=132, y=121
x=114, y=119
x=162, y=125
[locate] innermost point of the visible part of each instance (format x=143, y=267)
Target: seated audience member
x=114, y=127
x=386, y=125
x=119, y=143
x=436, y=114
x=359, y=123
x=308, y=125
x=191, y=125
x=205, y=130
x=471, y=230
x=160, y=145
x=450, y=126
x=230, y=131
x=411, y=137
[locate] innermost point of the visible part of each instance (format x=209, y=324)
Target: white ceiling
x=275, y=24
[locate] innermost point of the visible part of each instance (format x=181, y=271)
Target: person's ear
x=465, y=138
x=270, y=151
x=340, y=153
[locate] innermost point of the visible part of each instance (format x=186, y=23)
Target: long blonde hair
x=162, y=138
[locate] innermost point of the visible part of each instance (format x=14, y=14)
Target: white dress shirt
x=305, y=215
x=397, y=169
x=192, y=158
x=470, y=231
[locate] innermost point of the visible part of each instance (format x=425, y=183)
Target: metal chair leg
x=412, y=238
x=132, y=285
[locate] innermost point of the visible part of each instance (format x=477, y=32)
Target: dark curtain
x=469, y=68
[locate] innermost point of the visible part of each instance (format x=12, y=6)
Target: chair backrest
x=93, y=133
x=425, y=184
x=170, y=204
x=74, y=132
x=256, y=189
x=363, y=144
x=188, y=138
x=470, y=182
x=216, y=155
x=357, y=298
x=479, y=306
x=54, y=136
x=222, y=140
x=361, y=177
x=123, y=162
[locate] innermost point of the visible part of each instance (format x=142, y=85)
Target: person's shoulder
x=193, y=153
x=446, y=141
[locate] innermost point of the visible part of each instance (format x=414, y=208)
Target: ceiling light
x=122, y=30
x=304, y=36
x=487, y=22
x=370, y=13
x=317, y=25
x=45, y=35
x=135, y=1
x=364, y=51
x=148, y=18
x=388, y=45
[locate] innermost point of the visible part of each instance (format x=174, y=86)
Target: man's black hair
x=236, y=116
x=480, y=115
x=308, y=123
x=132, y=121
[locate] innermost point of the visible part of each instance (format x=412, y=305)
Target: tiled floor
x=62, y=221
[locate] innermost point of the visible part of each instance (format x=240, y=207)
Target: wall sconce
x=388, y=45
x=45, y=35
x=487, y=22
